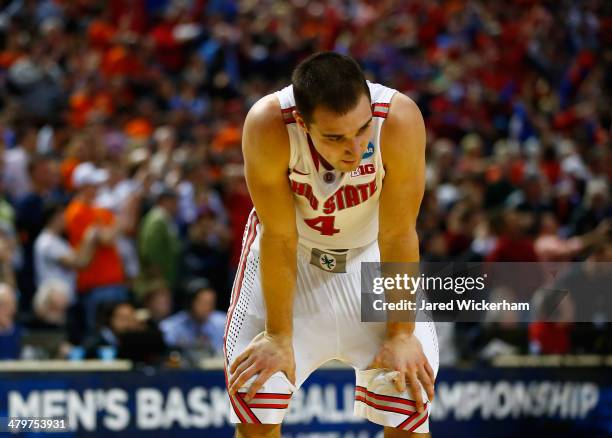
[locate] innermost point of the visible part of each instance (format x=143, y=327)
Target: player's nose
x=355, y=148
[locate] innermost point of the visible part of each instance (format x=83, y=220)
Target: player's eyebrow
x=364, y=126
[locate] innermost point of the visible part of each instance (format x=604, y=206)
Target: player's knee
x=258, y=431
x=392, y=432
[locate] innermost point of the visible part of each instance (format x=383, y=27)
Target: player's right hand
x=265, y=355
x=403, y=354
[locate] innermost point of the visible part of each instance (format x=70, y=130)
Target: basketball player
x=335, y=167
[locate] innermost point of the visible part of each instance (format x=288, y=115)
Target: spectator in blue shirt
x=10, y=333
x=200, y=327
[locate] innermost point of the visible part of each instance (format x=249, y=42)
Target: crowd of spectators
x=123, y=200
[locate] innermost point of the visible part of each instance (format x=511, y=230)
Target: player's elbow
x=285, y=240
x=399, y=241
x=399, y=238
x=391, y=231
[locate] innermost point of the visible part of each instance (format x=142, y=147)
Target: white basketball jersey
x=336, y=210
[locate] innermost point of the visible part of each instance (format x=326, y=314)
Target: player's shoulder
x=265, y=117
x=264, y=128
x=403, y=133
x=403, y=112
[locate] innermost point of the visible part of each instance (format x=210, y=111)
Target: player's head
x=334, y=107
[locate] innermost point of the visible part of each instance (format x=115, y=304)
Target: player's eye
x=364, y=129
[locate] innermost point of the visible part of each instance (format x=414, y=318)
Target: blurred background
x=123, y=200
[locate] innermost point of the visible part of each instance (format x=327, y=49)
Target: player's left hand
x=403, y=353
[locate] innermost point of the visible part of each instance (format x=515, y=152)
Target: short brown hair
x=328, y=79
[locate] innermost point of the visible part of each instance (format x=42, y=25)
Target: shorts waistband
x=347, y=259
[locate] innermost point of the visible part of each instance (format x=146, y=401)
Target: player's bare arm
x=266, y=156
x=403, y=153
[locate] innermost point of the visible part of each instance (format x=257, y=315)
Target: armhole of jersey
x=285, y=102
x=385, y=97
x=293, y=142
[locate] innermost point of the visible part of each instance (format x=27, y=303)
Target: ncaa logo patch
x=369, y=152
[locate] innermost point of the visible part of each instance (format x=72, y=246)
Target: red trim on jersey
x=313, y=153
x=380, y=109
x=316, y=157
x=326, y=164
x=287, y=115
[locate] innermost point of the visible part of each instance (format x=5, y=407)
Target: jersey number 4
x=323, y=224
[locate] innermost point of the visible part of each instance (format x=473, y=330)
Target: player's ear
x=300, y=120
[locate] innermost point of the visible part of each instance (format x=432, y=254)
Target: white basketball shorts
x=326, y=326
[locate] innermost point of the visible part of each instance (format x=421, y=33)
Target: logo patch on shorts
x=327, y=261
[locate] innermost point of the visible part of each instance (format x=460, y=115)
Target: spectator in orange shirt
x=87, y=102
x=103, y=280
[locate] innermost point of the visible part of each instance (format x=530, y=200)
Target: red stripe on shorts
x=264, y=406
x=386, y=397
x=408, y=420
x=413, y=428
x=251, y=232
x=248, y=410
x=383, y=408
x=271, y=395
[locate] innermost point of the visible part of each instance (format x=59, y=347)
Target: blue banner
x=501, y=402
